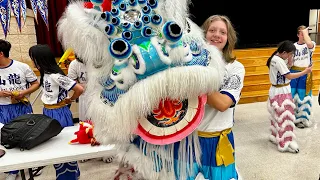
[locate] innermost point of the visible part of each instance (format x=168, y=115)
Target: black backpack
x=28, y=131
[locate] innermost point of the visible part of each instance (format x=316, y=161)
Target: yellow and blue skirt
x=60, y=112
x=217, y=157
x=301, y=90
x=216, y=161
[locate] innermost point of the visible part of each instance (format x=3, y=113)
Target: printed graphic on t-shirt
x=64, y=81
x=302, y=55
x=232, y=83
x=82, y=77
x=47, y=87
x=280, y=78
x=11, y=82
x=62, y=94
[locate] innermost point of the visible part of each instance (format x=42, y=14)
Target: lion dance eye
x=127, y=35
x=120, y=49
x=172, y=31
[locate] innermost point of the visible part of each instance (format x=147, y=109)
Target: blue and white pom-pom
x=120, y=49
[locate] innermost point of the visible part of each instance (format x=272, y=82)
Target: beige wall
x=21, y=41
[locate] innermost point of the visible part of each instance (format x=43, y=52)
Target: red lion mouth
x=172, y=120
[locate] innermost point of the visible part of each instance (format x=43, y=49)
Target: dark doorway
x=261, y=24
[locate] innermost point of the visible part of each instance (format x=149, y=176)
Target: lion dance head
x=149, y=68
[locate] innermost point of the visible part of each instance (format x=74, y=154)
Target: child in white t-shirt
x=301, y=88
x=280, y=103
x=55, y=99
x=77, y=71
x=17, y=82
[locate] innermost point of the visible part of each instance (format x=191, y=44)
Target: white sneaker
x=11, y=176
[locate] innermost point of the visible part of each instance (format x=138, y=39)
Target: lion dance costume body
x=149, y=71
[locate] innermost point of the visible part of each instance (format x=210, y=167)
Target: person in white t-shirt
x=301, y=88
x=17, y=82
x=55, y=98
x=280, y=103
x=77, y=71
x=215, y=134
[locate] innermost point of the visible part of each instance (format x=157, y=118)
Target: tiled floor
x=256, y=157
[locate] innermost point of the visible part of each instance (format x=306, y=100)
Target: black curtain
x=261, y=24
x=49, y=36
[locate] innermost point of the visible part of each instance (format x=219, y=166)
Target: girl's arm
x=307, y=38
x=78, y=89
x=230, y=92
x=298, y=74
x=219, y=101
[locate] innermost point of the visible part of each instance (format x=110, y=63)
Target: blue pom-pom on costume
x=123, y=6
x=115, y=21
x=146, y=19
x=146, y=31
x=120, y=49
x=138, y=24
x=172, y=31
x=153, y=4
x=110, y=30
x=126, y=25
x=146, y=9
x=127, y=35
x=156, y=19
x=115, y=12
x=106, y=16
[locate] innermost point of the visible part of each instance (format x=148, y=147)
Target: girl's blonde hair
x=231, y=35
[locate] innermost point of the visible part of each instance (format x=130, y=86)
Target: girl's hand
x=68, y=100
x=5, y=93
x=308, y=69
x=18, y=94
